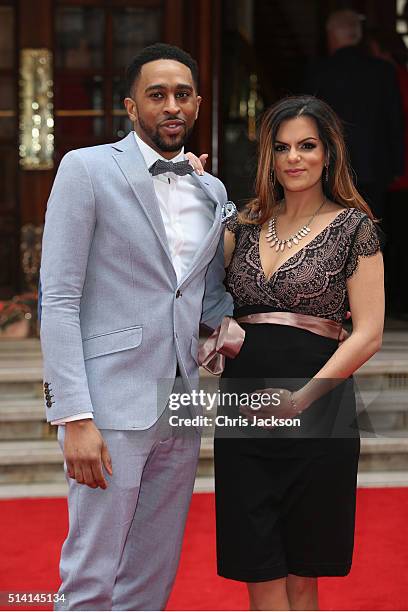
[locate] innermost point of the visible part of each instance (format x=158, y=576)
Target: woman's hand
x=269, y=403
x=198, y=163
x=344, y=333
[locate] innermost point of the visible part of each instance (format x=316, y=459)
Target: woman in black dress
x=303, y=252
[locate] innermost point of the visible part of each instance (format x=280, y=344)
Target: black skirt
x=285, y=498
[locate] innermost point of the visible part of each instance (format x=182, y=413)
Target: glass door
x=9, y=223
x=94, y=42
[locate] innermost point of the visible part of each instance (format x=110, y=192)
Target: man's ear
x=199, y=99
x=131, y=109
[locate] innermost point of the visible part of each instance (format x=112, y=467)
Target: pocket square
x=229, y=212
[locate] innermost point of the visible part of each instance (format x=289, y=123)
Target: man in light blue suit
x=132, y=260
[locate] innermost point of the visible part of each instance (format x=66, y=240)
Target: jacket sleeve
x=217, y=302
x=68, y=233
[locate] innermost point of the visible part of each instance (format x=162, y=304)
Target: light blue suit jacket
x=115, y=319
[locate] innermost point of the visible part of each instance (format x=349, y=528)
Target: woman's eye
x=308, y=145
x=280, y=148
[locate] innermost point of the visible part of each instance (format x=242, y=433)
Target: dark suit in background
x=364, y=93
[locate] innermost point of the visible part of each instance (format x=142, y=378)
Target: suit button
x=49, y=404
x=178, y=293
x=48, y=397
x=46, y=385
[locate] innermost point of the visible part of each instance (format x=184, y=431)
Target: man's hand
x=86, y=454
x=198, y=163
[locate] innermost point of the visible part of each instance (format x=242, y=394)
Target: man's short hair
x=347, y=26
x=159, y=51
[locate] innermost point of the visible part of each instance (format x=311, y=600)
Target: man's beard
x=167, y=147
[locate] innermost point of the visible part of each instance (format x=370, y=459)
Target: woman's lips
x=295, y=172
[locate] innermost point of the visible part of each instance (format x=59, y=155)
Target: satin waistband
x=228, y=338
x=317, y=325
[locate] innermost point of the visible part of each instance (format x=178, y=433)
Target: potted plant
x=16, y=316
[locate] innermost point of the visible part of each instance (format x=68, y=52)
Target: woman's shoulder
x=236, y=228
x=341, y=212
x=363, y=233
x=351, y=218
x=365, y=238
x=239, y=223
x=358, y=227
x=357, y=214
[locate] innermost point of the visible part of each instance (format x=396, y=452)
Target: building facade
x=62, y=68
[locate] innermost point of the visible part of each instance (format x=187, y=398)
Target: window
x=93, y=45
x=8, y=152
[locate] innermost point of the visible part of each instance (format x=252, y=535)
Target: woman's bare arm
x=366, y=297
x=229, y=247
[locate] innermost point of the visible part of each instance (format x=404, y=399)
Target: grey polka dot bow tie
x=180, y=168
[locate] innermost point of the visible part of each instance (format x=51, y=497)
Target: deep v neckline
x=269, y=278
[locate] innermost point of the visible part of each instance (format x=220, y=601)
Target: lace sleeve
x=233, y=224
x=365, y=243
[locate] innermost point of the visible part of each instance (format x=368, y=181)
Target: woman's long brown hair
x=339, y=187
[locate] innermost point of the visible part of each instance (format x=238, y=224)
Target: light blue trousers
x=123, y=545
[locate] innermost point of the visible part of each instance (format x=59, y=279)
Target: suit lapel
x=131, y=162
x=214, y=231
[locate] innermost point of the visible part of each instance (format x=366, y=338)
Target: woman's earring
x=272, y=177
x=326, y=177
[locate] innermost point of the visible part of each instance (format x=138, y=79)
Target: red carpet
x=33, y=530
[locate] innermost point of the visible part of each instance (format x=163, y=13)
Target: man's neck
x=166, y=154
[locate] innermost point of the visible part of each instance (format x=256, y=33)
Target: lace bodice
x=314, y=280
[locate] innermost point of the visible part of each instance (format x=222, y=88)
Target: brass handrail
x=79, y=113
x=89, y=113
